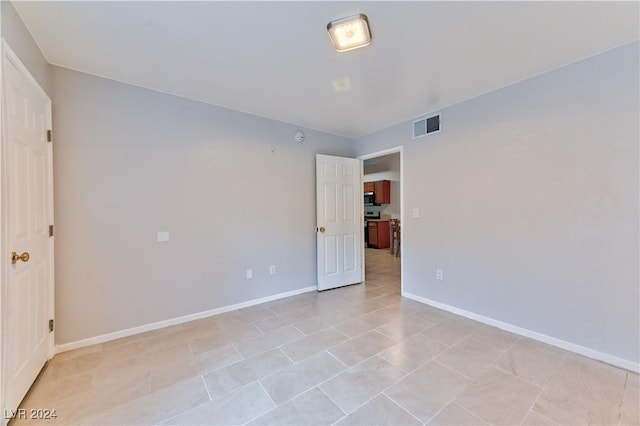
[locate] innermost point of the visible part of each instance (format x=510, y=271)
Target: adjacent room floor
x=355, y=355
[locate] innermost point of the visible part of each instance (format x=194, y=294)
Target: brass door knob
x=321, y=229
x=15, y=257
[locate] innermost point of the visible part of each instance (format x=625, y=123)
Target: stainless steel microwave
x=369, y=199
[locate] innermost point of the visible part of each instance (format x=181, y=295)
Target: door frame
x=377, y=154
x=7, y=53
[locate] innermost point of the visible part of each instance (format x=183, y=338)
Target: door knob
x=15, y=257
x=321, y=229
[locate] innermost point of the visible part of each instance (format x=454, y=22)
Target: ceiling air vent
x=426, y=125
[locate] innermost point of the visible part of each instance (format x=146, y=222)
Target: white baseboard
x=173, y=321
x=562, y=344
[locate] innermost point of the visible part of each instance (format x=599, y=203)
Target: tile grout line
x=304, y=334
x=542, y=389
x=338, y=359
x=540, y=415
x=387, y=387
x=421, y=331
x=284, y=353
x=326, y=349
x=502, y=350
x=398, y=404
x=437, y=360
x=191, y=408
x=207, y=371
x=256, y=379
x=204, y=382
x=334, y=403
x=266, y=412
x=451, y=401
x=184, y=412
x=383, y=392
x=483, y=368
x=190, y=348
x=474, y=415
x=448, y=345
x=359, y=362
x=515, y=376
x=535, y=401
x=624, y=391
x=268, y=394
x=332, y=377
x=314, y=386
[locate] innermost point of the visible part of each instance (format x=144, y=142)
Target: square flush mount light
x=349, y=33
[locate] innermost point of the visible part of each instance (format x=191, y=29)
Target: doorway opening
x=383, y=217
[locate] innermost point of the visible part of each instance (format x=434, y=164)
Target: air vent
x=426, y=125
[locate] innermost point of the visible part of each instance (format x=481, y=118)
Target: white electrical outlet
x=439, y=274
x=416, y=213
x=163, y=236
x=272, y=270
x=249, y=274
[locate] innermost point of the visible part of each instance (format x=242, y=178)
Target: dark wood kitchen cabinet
x=379, y=235
x=369, y=186
x=382, y=192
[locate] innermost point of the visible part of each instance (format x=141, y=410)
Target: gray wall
x=130, y=162
x=529, y=203
x=19, y=39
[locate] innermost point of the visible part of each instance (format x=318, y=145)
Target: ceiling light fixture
x=349, y=33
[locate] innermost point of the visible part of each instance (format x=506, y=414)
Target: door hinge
x=50, y=230
x=49, y=135
x=50, y=325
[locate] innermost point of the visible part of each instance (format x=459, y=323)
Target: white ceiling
x=274, y=59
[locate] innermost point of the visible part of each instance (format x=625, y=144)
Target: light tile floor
x=355, y=355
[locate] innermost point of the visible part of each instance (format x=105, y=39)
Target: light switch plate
x=163, y=236
x=416, y=213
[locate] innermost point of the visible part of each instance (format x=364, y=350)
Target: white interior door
x=339, y=221
x=28, y=191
